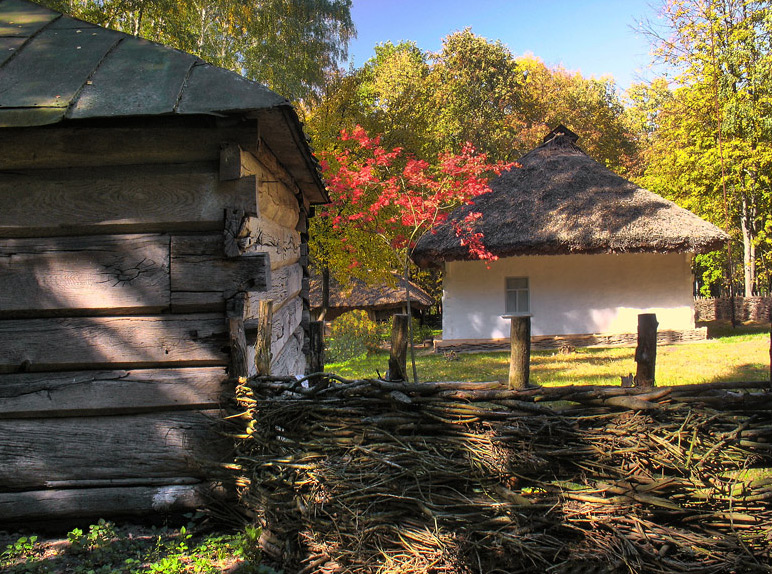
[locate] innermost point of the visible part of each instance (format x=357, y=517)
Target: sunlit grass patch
x=742, y=356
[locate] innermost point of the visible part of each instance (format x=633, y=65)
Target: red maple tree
x=382, y=194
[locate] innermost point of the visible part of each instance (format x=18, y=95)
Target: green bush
x=351, y=335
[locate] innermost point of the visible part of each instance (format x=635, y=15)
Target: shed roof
x=54, y=68
x=358, y=294
x=562, y=201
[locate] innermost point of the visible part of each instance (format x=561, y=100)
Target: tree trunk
x=398, y=357
x=749, y=247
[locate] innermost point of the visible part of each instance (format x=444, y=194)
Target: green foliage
x=351, y=335
x=108, y=549
x=289, y=45
x=708, y=141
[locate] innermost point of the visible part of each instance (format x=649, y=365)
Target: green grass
x=739, y=355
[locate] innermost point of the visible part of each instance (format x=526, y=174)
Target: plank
x=282, y=244
x=94, y=393
x=285, y=322
x=74, y=343
x=117, y=273
x=92, y=503
x=291, y=360
x=198, y=264
x=36, y=451
x=277, y=203
x=122, y=199
x=158, y=141
x=286, y=283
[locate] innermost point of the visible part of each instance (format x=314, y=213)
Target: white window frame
x=518, y=291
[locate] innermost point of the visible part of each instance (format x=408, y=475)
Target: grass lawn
x=730, y=355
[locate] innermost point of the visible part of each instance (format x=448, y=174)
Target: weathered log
x=119, y=274
x=61, y=202
x=91, y=393
x=112, y=342
x=398, y=353
x=198, y=265
x=263, y=338
x=235, y=311
x=291, y=360
x=160, y=141
x=82, y=503
x=101, y=448
x=259, y=235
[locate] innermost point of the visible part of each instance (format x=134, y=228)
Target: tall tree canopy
x=473, y=91
x=289, y=45
x=710, y=138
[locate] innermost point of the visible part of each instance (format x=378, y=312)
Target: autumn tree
x=383, y=201
x=289, y=45
x=712, y=148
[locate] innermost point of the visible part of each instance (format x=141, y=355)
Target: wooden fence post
x=316, y=343
x=646, y=351
x=234, y=310
x=263, y=341
x=398, y=356
x=520, y=351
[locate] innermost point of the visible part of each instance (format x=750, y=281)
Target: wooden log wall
x=132, y=262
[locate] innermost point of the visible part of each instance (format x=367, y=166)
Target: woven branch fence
x=370, y=476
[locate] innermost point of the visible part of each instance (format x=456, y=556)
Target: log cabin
x=153, y=210
x=579, y=248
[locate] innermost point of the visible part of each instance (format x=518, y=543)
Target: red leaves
x=399, y=198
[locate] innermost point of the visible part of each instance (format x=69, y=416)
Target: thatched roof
x=359, y=295
x=561, y=201
x=57, y=69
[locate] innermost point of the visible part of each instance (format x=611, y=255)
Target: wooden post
x=239, y=364
x=398, y=357
x=520, y=351
x=263, y=342
x=646, y=352
x=316, y=343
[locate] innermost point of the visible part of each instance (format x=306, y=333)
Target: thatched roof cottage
x=381, y=301
x=151, y=207
x=581, y=249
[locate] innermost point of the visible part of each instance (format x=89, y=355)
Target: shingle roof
x=562, y=201
x=54, y=68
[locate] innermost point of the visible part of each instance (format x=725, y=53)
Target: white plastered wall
x=570, y=294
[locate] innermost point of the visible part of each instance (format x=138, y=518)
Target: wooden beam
x=134, y=199
x=263, y=340
x=112, y=342
x=235, y=312
x=260, y=235
x=85, y=503
x=157, y=142
x=99, y=448
x=198, y=265
x=120, y=274
x=92, y=393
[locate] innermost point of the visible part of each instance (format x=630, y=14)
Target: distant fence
x=746, y=309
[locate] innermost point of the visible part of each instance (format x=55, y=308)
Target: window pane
x=511, y=301
x=522, y=302
x=517, y=283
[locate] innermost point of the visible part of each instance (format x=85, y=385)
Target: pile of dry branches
x=372, y=476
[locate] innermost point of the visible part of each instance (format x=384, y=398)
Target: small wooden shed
x=149, y=204
x=381, y=301
x=580, y=248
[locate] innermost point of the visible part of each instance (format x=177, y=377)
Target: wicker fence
x=746, y=309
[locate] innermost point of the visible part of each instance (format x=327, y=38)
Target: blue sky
x=594, y=37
